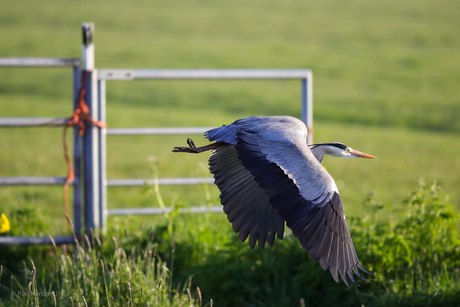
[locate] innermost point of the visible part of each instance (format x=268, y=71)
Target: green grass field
x=385, y=82
x=385, y=77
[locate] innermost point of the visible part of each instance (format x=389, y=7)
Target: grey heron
x=268, y=176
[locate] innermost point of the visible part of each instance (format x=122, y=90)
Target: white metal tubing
x=161, y=181
x=91, y=158
x=91, y=137
x=77, y=157
x=36, y=240
x=38, y=62
x=157, y=131
x=132, y=74
x=32, y=121
x=102, y=132
x=88, y=46
x=307, y=105
x=16, y=181
x=135, y=211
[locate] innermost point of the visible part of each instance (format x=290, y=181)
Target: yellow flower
x=4, y=224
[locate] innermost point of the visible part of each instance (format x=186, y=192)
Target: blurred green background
x=385, y=75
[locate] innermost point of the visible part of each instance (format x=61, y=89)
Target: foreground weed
x=92, y=278
x=416, y=253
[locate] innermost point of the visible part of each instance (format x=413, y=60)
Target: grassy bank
x=385, y=82
x=191, y=258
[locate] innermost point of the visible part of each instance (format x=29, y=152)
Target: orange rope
x=78, y=118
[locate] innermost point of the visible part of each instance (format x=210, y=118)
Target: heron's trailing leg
x=193, y=149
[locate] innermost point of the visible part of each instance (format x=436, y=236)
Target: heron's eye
x=348, y=149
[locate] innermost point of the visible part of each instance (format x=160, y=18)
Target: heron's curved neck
x=319, y=151
x=332, y=149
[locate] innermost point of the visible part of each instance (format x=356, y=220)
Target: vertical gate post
x=307, y=105
x=91, y=136
x=77, y=152
x=102, y=157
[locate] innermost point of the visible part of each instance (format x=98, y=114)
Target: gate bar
x=132, y=74
x=32, y=121
x=12, y=181
x=102, y=148
x=201, y=209
x=91, y=137
x=77, y=157
x=161, y=181
x=307, y=106
x=38, y=62
x=157, y=131
x=36, y=240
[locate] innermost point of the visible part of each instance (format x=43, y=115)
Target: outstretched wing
x=302, y=192
x=275, y=152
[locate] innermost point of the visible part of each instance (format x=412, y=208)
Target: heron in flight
x=268, y=175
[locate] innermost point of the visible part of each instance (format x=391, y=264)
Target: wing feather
x=245, y=203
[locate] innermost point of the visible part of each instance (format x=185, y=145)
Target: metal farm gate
x=40, y=122
x=90, y=149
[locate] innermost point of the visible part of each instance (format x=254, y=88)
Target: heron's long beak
x=361, y=154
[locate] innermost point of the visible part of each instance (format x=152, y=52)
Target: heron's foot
x=191, y=149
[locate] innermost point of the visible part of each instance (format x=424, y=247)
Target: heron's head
x=339, y=150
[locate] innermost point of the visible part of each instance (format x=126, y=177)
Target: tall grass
x=414, y=256
x=416, y=253
x=385, y=82
x=99, y=274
